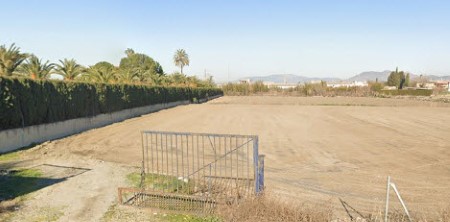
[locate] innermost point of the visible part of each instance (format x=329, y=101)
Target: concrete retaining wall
x=16, y=138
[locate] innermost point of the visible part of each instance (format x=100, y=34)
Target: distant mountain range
x=364, y=76
x=287, y=78
x=371, y=76
x=433, y=77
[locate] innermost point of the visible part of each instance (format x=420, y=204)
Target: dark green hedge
x=26, y=102
x=408, y=92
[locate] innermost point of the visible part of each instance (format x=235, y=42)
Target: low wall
x=13, y=139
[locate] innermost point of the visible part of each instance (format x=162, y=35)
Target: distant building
x=426, y=85
x=347, y=84
x=245, y=81
x=442, y=84
x=280, y=85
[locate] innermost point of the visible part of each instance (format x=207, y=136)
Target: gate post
x=255, y=164
x=261, y=173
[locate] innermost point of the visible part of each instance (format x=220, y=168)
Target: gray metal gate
x=196, y=171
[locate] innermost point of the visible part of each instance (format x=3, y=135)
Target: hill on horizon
x=287, y=78
x=371, y=76
x=364, y=76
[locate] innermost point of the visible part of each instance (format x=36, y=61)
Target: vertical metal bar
x=219, y=151
x=247, y=156
x=182, y=158
x=178, y=175
x=386, y=211
x=162, y=153
x=225, y=151
x=143, y=150
x=160, y=176
x=231, y=160
x=143, y=161
x=261, y=172
x=209, y=181
x=167, y=164
x=237, y=165
x=203, y=159
x=151, y=151
x=198, y=161
x=215, y=155
x=157, y=154
x=172, y=159
x=255, y=163
x=193, y=160
x=187, y=160
x=231, y=148
x=151, y=158
x=164, y=177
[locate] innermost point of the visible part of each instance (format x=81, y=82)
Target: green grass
x=19, y=183
x=9, y=156
x=117, y=213
x=408, y=92
x=161, y=182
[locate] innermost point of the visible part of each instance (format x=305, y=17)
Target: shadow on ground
x=18, y=182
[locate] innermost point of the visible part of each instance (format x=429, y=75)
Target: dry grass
x=269, y=208
x=8, y=207
x=445, y=215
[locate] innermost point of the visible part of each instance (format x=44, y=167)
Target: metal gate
x=196, y=171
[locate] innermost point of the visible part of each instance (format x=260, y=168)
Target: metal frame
x=181, y=170
x=386, y=212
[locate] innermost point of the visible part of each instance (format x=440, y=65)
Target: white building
x=347, y=84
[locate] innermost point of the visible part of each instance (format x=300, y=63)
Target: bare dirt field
x=319, y=151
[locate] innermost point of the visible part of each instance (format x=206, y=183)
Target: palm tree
x=177, y=79
x=100, y=74
x=35, y=68
x=181, y=59
x=10, y=59
x=127, y=75
x=69, y=69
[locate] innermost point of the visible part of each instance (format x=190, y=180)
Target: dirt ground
x=319, y=151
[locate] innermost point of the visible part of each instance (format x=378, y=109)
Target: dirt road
x=318, y=150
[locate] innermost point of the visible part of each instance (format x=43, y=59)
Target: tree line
x=398, y=79
x=134, y=68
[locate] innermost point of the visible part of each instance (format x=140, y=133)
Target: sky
x=234, y=39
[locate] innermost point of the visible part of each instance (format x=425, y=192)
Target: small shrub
x=408, y=92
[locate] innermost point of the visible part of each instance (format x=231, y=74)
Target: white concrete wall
x=16, y=138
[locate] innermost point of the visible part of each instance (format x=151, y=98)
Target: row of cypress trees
x=26, y=102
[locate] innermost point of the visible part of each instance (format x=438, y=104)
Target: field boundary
x=13, y=139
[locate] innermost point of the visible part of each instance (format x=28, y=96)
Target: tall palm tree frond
x=10, y=59
x=100, y=74
x=69, y=69
x=35, y=68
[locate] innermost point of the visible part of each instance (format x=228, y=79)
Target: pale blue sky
x=337, y=38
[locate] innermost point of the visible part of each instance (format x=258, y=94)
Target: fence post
x=261, y=172
x=255, y=163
